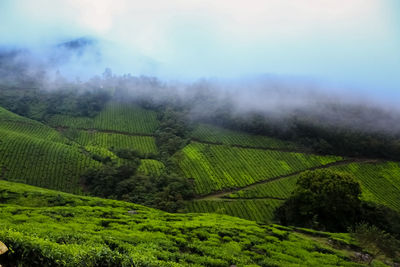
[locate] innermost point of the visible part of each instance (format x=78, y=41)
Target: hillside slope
x=34, y=153
x=48, y=228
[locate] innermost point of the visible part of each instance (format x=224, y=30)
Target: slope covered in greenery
x=151, y=167
x=42, y=163
x=380, y=182
x=117, y=117
x=215, y=134
x=280, y=188
x=142, y=144
x=219, y=167
x=12, y=122
x=259, y=210
x=34, y=153
x=48, y=228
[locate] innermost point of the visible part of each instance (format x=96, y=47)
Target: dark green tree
x=323, y=199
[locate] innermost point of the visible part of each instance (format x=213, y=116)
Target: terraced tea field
x=12, y=122
x=142, y=144
x=219, y=167
x=42, y=163
x=151, y=167
x=214, y=134
x=280, y=188
x=380, y=182
x=259, y=210
x=115, y=117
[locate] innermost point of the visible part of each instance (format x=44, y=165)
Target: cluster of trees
x=323, y=199
x=72, y=102
x=172, y=134
x=330, y=201
x=375, y=241
x=314, y=134
x=167, y=191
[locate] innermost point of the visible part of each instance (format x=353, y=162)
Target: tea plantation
x=87, y=231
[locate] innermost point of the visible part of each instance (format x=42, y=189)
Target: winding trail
x=223, y=193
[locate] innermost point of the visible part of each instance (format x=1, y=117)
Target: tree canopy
x=323, y=199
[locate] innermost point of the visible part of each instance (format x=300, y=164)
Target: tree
x=323, y=199
x=375, y=241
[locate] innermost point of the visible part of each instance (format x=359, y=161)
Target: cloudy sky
x=344, y=43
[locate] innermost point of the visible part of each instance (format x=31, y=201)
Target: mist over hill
x=281, y=99
x=199, y=133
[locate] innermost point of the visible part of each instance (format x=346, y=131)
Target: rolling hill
x=88, y=231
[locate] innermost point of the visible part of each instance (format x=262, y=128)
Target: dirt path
x=221, y=194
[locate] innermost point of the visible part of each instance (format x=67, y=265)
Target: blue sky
x=341, y=43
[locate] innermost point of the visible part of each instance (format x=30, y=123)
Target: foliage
x=382, y=217
x=126, y=153
x=171, y=134
x=375, y=241
x=103, y=182
x=68, y=101
x=163, y=191
x=323, y=199
x=315, y=131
